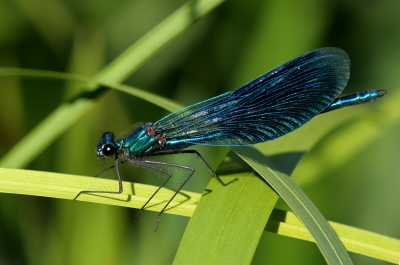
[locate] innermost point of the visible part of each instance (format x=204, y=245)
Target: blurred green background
x=236, y=42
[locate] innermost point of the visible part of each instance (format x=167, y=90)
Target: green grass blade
x=237, y=205
x=326, y=239
x=228, y=222
x=154, y=40
x=69, y=112
x=63, y=186
x=354, y=239
x=155, y=99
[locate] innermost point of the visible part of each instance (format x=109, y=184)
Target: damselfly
x=266, y=108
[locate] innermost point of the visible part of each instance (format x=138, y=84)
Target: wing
x=266, y=108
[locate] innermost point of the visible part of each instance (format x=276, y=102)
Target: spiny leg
x=145, y=164
x=108, y=169
x=176, y=192
x=120, y=190
x=207, y=166
x=149, y=164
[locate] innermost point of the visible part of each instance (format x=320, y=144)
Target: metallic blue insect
x=266, y=108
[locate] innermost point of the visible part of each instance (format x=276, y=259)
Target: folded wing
x=266, y=108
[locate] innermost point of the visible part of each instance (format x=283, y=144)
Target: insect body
x=266, y=108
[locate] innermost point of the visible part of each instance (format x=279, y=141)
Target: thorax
x=142, y=141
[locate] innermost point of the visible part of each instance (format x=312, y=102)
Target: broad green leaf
x=228, y=222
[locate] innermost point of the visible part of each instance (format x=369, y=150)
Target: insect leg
x=152, y=165
x=108, y=169
x=207, y=166
x=116, y=165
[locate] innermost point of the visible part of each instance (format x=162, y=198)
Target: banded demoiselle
x=266, y=108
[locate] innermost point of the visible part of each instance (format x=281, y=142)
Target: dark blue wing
x=266, y=108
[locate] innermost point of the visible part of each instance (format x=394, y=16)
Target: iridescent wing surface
x=266, y=108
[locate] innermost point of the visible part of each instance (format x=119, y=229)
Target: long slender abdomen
x=355, y=99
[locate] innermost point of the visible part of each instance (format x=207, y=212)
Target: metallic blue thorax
x=138, y=143
x=146, y=140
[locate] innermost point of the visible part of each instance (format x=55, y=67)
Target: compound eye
x=108, y=150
